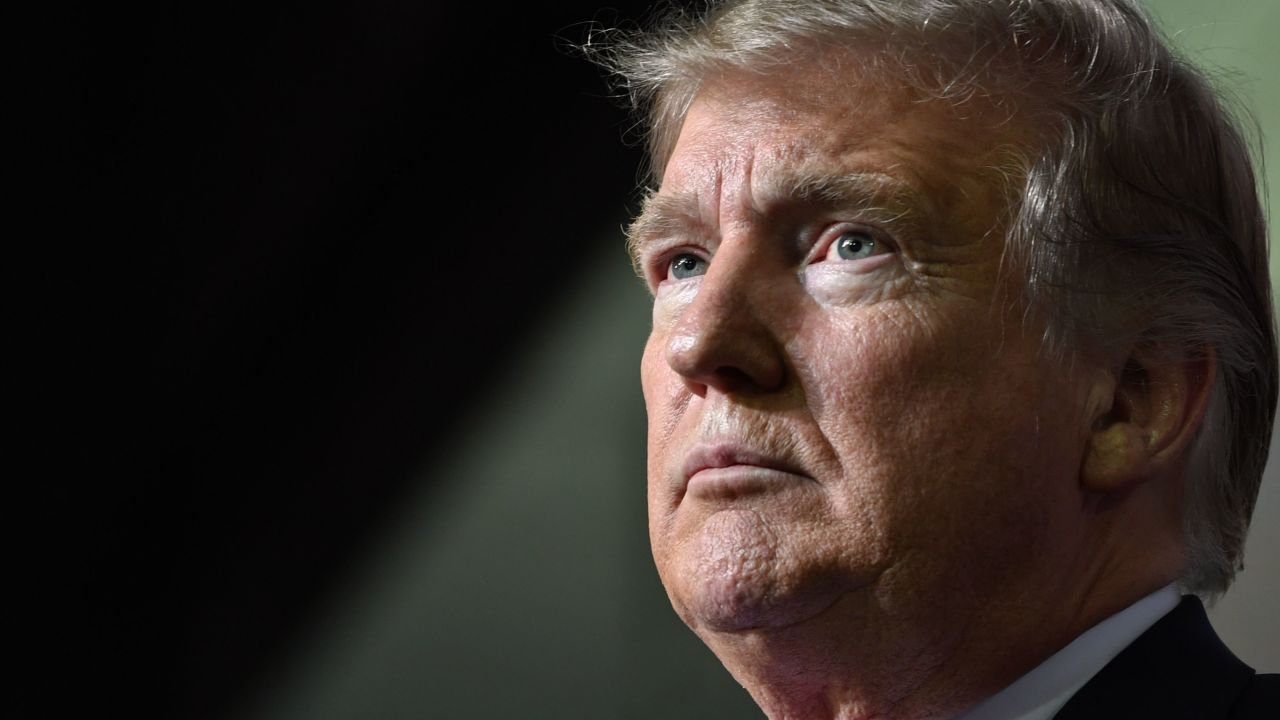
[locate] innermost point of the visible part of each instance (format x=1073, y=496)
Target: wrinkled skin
x=893, y=487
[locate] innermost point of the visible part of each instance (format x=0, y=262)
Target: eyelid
x=656, y=261
x=833, y=232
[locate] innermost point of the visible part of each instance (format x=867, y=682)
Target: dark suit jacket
x=1177, y=670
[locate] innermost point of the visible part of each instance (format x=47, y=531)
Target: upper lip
x=727, y=454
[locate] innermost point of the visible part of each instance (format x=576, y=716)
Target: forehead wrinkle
x=734, y=204
x=963, y=174
x=870, y=195
x=665, y=215
x=687, y=211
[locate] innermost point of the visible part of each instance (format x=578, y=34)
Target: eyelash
x=823, y=248
x=662, y=263
x=830, y=236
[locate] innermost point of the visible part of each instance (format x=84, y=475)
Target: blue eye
x=855, y=245
x=686, y=265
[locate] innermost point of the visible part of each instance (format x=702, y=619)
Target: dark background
x=270, y=261
x=290, y=245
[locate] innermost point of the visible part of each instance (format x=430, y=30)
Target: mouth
x=724, y=471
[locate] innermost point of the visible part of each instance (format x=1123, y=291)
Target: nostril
x=733, y=379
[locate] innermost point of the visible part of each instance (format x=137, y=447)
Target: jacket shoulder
x=1259, y=700
x=1178, y=670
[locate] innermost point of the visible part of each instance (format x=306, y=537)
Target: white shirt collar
x=1039, y=694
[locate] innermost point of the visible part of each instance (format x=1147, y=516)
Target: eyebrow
x=870, y=196
x=662, y=216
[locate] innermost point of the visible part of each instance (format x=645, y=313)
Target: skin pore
x=867, y=485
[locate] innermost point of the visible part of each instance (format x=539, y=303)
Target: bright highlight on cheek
x=866, y=281
x=671, y=299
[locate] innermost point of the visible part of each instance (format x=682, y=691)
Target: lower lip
x=736, y=481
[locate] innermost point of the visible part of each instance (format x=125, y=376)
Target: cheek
x=868, y=377
x=665, y=398
x=923, y=414
x=651, y=373
x=661, y=385
x=664, y=393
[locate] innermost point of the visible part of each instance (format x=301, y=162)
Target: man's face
x=846, y=413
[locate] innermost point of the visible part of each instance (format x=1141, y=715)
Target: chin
x=729, y=604
x=734, y=577
x=720, y=607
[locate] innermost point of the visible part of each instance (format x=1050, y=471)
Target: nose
x=727, y=338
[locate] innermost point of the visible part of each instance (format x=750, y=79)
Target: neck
x=892, y=668
x=887, y=650
x=916, y=659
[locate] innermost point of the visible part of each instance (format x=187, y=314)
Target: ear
x=1145, y=417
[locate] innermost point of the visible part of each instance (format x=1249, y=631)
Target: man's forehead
x=868, y=195
x=852, y=160
x=755, y=155
x=819, y=125
x=750, y=127
x=785, y=184
x=790, y=92
x=753, y=145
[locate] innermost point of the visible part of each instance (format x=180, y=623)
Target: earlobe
x=1153, y=411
